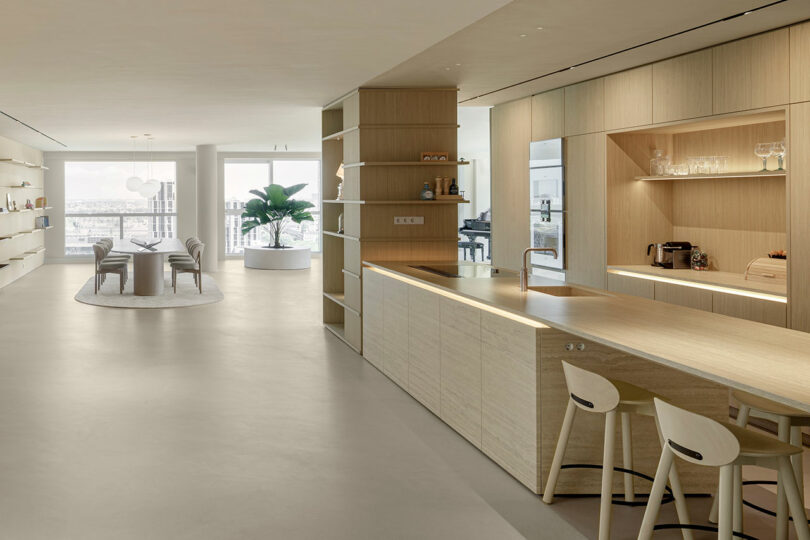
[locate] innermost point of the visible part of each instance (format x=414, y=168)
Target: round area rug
x=187, y=293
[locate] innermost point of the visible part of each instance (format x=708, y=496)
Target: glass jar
x=698, y=259
x=658, y=163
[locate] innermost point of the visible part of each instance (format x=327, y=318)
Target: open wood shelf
x=403, y=202
x=350, y=273
x=340, y=299
x=404, y=164
x=339, y=235
x=758, y=174
x=340, y=332
x=339, y=135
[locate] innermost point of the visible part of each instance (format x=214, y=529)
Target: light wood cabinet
x=628, y=98
x=373, y=291
x=682, y=87
x=461, y=368
x=752, y=309
x=645, y=288
x=548, y=114
x=586, y=442
x=585, y=107
x=395, y=331
x=424, y=343
x=800, y=62
x=799, y=197
x=585, y=219
x=751, y=73
x=510, y=409
x=511, y=134
x=683, y=295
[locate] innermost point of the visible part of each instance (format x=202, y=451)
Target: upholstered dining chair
x=107, y=243
x=104, y=267
x=193, y=266
x=185, y=256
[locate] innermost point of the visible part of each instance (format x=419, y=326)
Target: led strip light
x=457, y=298
x=704, y=286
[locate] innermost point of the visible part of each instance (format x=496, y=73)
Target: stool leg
x=782, y=512
x=627, y=458
x=726, y=507
x=742, y=421
x=791, y=491
x=606, y=501
x=677, y=490
x=559, y=453
x=657, y=491
x=798, y=466
x=738, y=504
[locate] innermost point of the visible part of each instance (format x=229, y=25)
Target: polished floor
x=238, y=420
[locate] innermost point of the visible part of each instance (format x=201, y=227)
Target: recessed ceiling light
x=458, y=64
x=539, y=27
x=522, y=35
x=747, y=13
x=447, y=68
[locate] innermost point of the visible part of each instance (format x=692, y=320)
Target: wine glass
x=764, y=151
x=778, y=150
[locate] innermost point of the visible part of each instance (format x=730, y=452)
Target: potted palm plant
x=274, y=209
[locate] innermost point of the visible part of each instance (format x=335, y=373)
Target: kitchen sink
x=564, y=290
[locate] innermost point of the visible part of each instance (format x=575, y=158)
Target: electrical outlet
x=409, y=220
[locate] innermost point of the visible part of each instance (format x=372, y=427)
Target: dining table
x=147, y=261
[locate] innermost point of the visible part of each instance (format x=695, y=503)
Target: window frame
x=316, y=212
x=120, y=215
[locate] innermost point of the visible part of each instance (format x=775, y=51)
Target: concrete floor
x=238, y=420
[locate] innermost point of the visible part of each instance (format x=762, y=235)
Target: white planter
x=293, y=258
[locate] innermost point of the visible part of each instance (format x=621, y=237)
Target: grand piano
x=473, y=229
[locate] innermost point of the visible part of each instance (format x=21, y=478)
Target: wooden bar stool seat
x=703, y=441
x=593, y=393
x=789, y=423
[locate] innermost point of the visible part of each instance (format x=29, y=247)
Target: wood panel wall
x=738, y=221
x=510, y=127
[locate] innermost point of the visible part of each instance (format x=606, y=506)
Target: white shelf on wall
x=757, y=174
x=28, y=164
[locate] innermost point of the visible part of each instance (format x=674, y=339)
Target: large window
x=98, y=203
x=242, y=176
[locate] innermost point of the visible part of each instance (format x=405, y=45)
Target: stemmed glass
x=764, y=151
x=778, y=150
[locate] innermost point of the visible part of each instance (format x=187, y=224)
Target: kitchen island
x=485, y=357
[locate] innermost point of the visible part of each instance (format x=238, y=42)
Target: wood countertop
x=765, y=360
x=710, y=277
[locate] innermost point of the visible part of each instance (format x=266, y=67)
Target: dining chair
x=193, y=266
x=104, y=267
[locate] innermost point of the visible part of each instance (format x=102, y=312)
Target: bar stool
x=594, y=393
x=790, y=422
x=703, y=441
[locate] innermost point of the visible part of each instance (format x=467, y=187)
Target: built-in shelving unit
x=732, y=175
x=380, y=147
x=734, y=217
x=21, y=243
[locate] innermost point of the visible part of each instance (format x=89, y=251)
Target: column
x=207, y=210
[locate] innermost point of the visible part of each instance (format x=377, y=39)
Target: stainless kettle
x=660, y=255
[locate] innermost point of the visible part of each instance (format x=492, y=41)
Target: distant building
x=163, y=203
x=235, y=242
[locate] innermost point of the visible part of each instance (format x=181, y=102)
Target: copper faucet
x=524, y=272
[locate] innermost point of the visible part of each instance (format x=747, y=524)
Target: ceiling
x=242, y=74
x=491, y=54
x=251, y=75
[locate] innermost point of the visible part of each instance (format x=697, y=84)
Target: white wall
x=55, y=191
x=473, y=145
